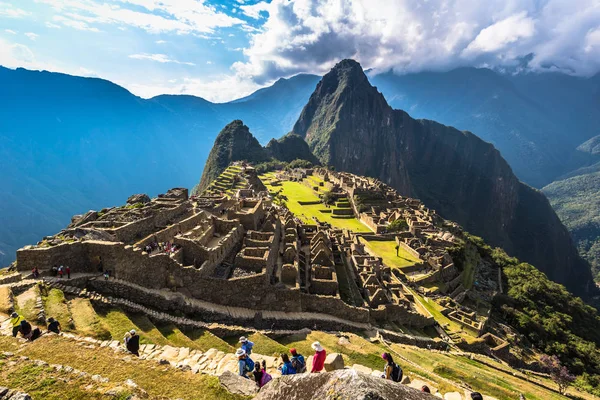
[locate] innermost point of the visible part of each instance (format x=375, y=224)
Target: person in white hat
x=246, y=345
x=132, y=342
x=245, y=363
x=319, y=357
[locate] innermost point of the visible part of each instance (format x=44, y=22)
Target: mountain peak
x=233, y=143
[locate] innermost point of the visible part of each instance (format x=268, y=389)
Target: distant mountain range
x=69, y=144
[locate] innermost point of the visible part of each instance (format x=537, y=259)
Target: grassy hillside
x=577, y=203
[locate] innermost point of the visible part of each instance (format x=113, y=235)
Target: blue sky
x=225, y=49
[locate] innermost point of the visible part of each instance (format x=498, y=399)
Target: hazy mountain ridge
x=462, y=177
x=69, y=144
x=97, y=143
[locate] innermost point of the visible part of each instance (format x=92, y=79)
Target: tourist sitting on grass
x=246, y=345
x=15, y=321
x=245, y=363
x=298, y=362
x=132, y=342
x=261, y=376
x=28, y=332
x=286, y=368
x=425, y=389
x=53, y=325
x=318, y=358
x=391, y=371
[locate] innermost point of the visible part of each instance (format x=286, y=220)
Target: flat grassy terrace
x=297, y=191
x=387, y=250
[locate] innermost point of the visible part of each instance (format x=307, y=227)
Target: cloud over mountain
x=411, y=35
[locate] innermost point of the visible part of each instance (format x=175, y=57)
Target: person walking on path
x=61, y=271
x=298, y=362
x=287, y=368
x=68, y=271
x=245, y=363
x=132, y=342
x=53, y=325
x=391, y=371
x=246, y=345
x=319, y=357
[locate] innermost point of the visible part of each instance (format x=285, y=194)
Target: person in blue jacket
x=246, y=345
x=245, y=363
x=287, y=368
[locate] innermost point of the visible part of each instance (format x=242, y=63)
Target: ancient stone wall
x=167, y=234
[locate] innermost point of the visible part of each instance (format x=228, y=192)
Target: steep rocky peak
x=340, y=93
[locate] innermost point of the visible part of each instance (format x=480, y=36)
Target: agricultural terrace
x=295, y=193
x=391, y=257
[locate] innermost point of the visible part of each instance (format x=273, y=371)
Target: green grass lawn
x=87, y=322
x=56, y=306
x=489, y=380
x=387, y=250
x=296, y=191
x=200, y=339
x=159, y=381
x=262, y=344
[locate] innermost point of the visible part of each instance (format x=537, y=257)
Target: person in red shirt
x=319, y=357
x=68, y=271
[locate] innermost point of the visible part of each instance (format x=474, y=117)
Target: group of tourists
x=290, y=366
x=21, y=326
x=166, y=247
x=60, y=271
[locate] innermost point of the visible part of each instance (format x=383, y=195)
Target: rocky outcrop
x=7, y=394
x=237, y=384
x=349, y=125
x=346, y=384
x=289, y=148
x=233, y=143
x=138, y=198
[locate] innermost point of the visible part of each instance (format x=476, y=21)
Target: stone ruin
x=235, y=248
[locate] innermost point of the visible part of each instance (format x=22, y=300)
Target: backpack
x=266, y=378
x=396, y=373
x=298, y=365
x=249, y=364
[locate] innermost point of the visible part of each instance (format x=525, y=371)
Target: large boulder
x=345, y=384
x=333, y=362
x=237, y=385
x=138, y=198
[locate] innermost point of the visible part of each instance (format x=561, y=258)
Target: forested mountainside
x=349, y=125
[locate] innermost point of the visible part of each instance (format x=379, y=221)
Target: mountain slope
x=577, y=203
x=233, y=143
x=535, y=120
x=349, y=125
x=289, y=148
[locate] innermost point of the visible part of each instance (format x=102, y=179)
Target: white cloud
x=10, y=11
x=75, y=24
x=411, y=35
x=161, y=58
x=160, y=42
x=10, y=31
x=499, y=35
x=31, y=35
x=13, y=55
x=209, y=62
x=216, y=89
x=155, y=16
x=52, y=25
x=254, y=10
